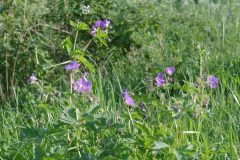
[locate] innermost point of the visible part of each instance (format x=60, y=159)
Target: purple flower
x=106, y=23
x=82, y=85
x=170, y=70
x=93, y=31
x=127, y=99
x=160, y=80
x=100, y=24
x=32, y=79
x=73, y=65
x=212, y=81
x=103, y=24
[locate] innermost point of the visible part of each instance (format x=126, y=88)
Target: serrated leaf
x=77, y=52
x=67, y=118
x=85, y=62
x=102, y=41
x=82, y=26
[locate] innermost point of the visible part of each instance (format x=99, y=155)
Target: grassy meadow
x=49, y=118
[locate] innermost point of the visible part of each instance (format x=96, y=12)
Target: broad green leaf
x=82, y=26
x=67, y=118
x=73, y=23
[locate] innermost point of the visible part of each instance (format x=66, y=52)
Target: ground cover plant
x=116, y=79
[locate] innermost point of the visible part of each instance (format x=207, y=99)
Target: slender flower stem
x=200, y=60
x=130, y=116
x=70, y=101
x=6, y=73
x=87, y=45
x=75, y=41
x=200, y=63
x=71, y=82
x=77, y=110
x=55, y=65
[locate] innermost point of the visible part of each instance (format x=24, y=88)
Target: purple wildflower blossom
x=99, y=23
x=103, y=24
x=73, y=65
x=160, y=80
x=127, y=99
x=212, y=81
x=93, y=31
x=106, y=23
x=170, y=70
x=82, y=85
x=32, y=79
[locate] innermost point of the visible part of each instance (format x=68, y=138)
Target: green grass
x=41, y=122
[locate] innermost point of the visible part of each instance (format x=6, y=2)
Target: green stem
x=130, y=117
x=87, y=45
x=201, y=61
x=71, y=81
x=55, y=65
x=75, y=41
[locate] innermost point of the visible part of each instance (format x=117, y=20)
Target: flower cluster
x=82, y=85
x=103, y=24
x=86, y=9
x=160, y=79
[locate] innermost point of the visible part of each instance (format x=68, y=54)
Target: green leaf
x=76, y=53
x=101, y=37
x=43, y=105
x=79, y=26
x=67, y=44
x=143, y=128
x=73, y=24
x=67, y=118
x=93, y=108
x=85, y=62
x=82, y=26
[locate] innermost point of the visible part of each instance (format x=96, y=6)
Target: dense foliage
x=89, y=79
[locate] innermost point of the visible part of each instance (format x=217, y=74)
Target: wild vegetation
x=117, y=79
